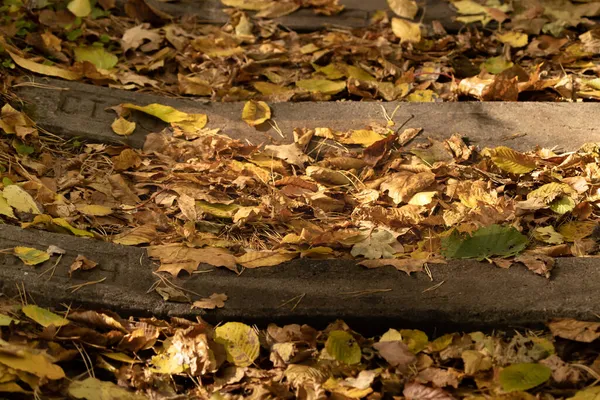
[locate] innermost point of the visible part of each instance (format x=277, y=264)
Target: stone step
x=357, y=13
x=470, y=295
x=81, y=110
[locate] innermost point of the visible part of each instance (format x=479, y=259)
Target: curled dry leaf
x=580, y=331
x=82, y=263
x=256, y=112
x=122, y=127
x=216, y=300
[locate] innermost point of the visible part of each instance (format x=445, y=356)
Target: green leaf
x=342, y=346
x=510, y=161
x=43, y=316
x=22, y=148
x=80, y=8
x=591, y=393
x=95, y=389
x=321, y=86
x=31, y=256
x=98, y=56
x=524, y=376
x=376, y=245
x=241, y=343
x=486, y=242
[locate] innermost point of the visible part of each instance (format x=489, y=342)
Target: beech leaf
x=486, y=242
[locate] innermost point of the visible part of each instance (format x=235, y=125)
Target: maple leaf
x=376, y=245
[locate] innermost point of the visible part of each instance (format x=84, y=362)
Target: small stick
x=433, y=287
x=299, y=297
x=53, y=268
x=77, y=287
x=359, y=293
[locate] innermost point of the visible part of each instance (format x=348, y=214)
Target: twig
x=169, y=283
x=433, y=287
x=77, y=287
x=53, y=268
x=299, y=297
x=359, y=293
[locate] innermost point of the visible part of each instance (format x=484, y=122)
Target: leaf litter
x=194, y=196
x=518, y=50
x=376, y=197
x=93, y=355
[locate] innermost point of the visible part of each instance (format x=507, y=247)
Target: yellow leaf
x=550, y=191
x=43, y=316
x=321, y=86
x=576, y=230
x=256, y=112
x=122, y=127
x=80, y=8
x=267, y=88
x=31, y=256
x=218, y=210
x=515, y=39
x=11, y=387
x=95, y=389
x=406, y=31
x=241, y=343
x=193, y=123
x=102, y=59
x=138, y=235
x=165, y=113
x=48, y=70
x=5, y=209
x=422, y=96
x=404, y=8
x=20, y=200
x=94, y=210
x=422, y=199
x=362, y=137
x=249, y=5
x=25, y=360
x=122, y=357
x=256, y=259
x=75, y=231
x=510, y=160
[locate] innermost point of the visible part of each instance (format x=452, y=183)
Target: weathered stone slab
x=356, y=14
x=472, y=295
x=75, y=109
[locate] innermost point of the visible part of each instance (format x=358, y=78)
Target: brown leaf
x=579, y=331
x=138, y=235
x=140, y=10
x=290, y=153
x=98, y=319
x=403, y=185
x=216, y=300
x=408, y=265
x=174, y=258
x=538, y=263
x=416, y=391
x=83, y=263
x=561, y=371
x=378, y=150
x=396, y=353
x=128, y=158
x=169, y=293
x=440, y=377
x=256, y=259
